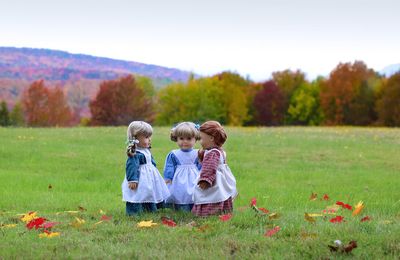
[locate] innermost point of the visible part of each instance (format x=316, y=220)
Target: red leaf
x=266, y=211
x=168, y=222
x=347, y=206
x=49, y=225
x=106, y=218
x=339, y=203
x=325, y=197
x=37, y=223
x=253, y=202
x=271, y=232
x=337, y=219
x=225, y=217
x=366, y=218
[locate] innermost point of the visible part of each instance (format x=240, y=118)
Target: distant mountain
x=19, y=67
x=390, y=70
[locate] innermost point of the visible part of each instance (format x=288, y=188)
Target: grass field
x=65, y=174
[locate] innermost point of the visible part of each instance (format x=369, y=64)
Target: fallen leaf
x=106, y=218
x=366, y=218
x=95, y=224
x=49, y=234
x=308, y=218
x=8, y=225
x=305, y=235
x=350, y=246
x=78, y=222
x=271, y=232
x=253, y=202
x=203, y=228
x=266, y=211
x=225, y=217
x=146, y=224
x=337, y=219
x=168, y=222
x=48, y=225
x=50, y=187
x=358, y=208
x=102, y=212
x=273, y=216
x=29, y=217
x=313, y=196
x=72, y=211
x=35, y=223
x=343, y=205
x=325, y=197
x=81, y=208
x=315, y=215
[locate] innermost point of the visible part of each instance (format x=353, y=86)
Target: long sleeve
x=198, y=163
x=170, y=166
x=132, y=168
x=209, y=167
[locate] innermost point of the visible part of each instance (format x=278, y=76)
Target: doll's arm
x=170, y=166
x=132, y=169
x=209, y=168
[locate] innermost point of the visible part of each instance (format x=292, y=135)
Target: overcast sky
x=251, y=37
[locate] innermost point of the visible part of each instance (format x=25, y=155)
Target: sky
x=251, y=37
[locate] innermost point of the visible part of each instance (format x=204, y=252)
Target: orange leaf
x=271, y=232
x=313, y=196
x=358, y=208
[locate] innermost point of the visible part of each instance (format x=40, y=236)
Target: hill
x=81, y=73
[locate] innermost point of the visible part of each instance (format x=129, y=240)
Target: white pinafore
x=223, y=188
x=186, y=174
x=151, y=187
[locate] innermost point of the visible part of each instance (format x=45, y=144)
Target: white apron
x=185, y=177
x=151, y=186
x=223, y=188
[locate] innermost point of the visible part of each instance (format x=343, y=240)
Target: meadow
x=72, y=176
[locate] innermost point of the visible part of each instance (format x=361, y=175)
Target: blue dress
x=151, y=187
x=182, y=169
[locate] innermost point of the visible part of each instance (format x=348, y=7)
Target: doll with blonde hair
x=143, y=188
x=182, y=167
x=216, y=185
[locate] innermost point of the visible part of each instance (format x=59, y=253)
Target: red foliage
x=272, y=232
x=168, y=222
x=45, y=107
x=118, y=102
x=225, y=217
x=269, y=105
x=337, y=219
x=36, y=223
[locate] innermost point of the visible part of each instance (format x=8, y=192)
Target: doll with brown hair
x=216, y=185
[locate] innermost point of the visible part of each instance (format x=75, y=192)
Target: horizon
x=252, y=39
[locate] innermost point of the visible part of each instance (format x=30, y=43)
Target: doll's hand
x=168, y=181
x=204, y=185
x=132, y=185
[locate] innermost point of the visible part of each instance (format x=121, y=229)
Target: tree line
x=352, y=94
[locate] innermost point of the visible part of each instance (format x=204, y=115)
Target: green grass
x=280, y=167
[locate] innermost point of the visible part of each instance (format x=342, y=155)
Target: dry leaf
x=308, y=218
x=81, y=208
x=305, y=235
x=78, y=222
x=8, y=225
x=273, y=216
x=272, y=232
x=48, y=234
x=366, y=218
x=358, y=208
x=29, y=217
x=313, y=196
x=325, y=197
x=225, y=217
x=146, y=224
x=95, y=224
x=168, y=222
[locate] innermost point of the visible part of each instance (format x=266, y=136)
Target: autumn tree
x=45, y=107
x=304, y=107
x=4, y=114
x=347, y=97
x=59, y=111
x=118, y=102
x=35, y=102
x=388, y=105
x=269, y=105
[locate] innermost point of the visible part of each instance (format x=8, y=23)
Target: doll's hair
x=186, y=130
x=214, y=129
x=135, y=129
